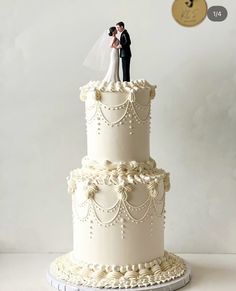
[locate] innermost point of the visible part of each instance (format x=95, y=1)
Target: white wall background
x=42, y=126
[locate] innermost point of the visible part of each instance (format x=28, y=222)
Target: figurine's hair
x=111, y=30
x=121, y=23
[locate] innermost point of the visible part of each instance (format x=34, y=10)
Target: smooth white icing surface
x=118, y=196
x=119, y=224
x=118, y=120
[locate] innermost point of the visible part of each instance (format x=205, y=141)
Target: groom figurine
x=125, y=52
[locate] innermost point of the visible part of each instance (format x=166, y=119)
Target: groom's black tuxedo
x=125, y=54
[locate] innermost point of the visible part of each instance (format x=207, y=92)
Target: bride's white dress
x=112, y=74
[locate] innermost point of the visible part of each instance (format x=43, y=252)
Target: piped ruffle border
x=98, y=87
x=158, y=271
x=108, y=173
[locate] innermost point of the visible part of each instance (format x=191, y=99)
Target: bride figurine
x=105, y=54
x=112, y=74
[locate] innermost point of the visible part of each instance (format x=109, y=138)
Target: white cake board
x=169, y=286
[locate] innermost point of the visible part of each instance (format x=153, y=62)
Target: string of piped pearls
x=122, y=207
x=129, y=113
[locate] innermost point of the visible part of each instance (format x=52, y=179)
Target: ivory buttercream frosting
x=118, y=195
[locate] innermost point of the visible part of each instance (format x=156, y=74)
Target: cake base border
x=167, y=285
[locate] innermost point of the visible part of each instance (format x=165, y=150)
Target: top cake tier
x=118, y=120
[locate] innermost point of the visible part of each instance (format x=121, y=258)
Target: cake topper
x=125, y=52
x=105, y=53
x=112, y=74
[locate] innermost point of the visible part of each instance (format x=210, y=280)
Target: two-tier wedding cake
x=118, y=198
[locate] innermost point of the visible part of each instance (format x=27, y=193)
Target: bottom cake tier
x=159, y=271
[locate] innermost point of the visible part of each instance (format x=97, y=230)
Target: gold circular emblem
x=189, y=12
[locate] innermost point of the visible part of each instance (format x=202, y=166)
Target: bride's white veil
x=99, y=56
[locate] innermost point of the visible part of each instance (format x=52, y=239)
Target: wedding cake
x=118, y=197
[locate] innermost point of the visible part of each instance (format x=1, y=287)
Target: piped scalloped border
x=123, y=87
x=109, y=173
x=161, y=270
